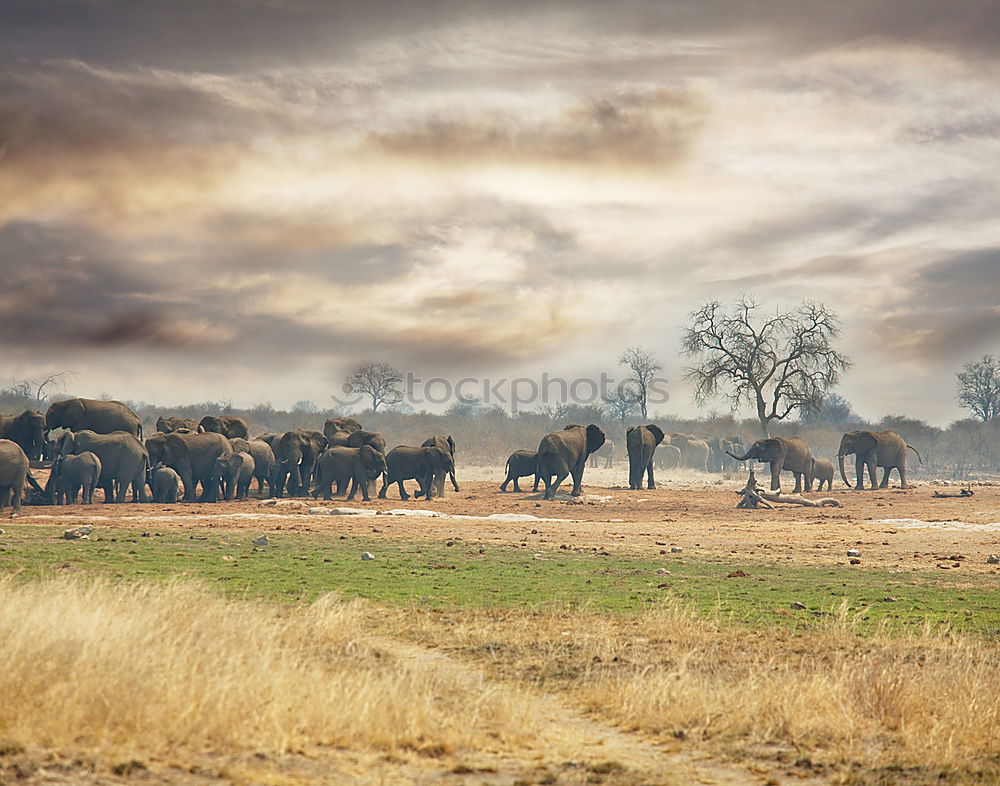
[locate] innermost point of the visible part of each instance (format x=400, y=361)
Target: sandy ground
x=894, y=529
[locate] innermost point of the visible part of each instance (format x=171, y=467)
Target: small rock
x=796, y=606
x=78, y=533
x=662, y=572
x=261, y=541
x=367, y=555
x=993, y=559
x=676, y=549
x=2, y=532
x=855, y=561
x=853, y=553
x=889, y=599
x=736, y=574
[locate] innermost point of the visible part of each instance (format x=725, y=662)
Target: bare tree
x=58, y=379
x=622, y=403
x=775, y=364
x=644, y=367
x=979, y=387
x=379, y=381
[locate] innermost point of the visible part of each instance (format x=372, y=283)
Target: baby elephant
x=236, y=473
x=823, y=472
x=166, y=484
x=521, y=464
x=419, y=464
x=342, y=464
x=74, y=473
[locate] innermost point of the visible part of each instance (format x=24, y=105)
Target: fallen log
x=798, y=499
x=753, y=497
x=963, y=494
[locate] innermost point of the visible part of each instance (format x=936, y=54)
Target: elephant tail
x=915, y=451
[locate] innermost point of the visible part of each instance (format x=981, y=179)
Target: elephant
x=667, y=456
x=788, y=453
x=74, y=473
x=166, y=425
x=229, y=426
x=270, y=439
x=27, y=430
x=641, y=442
x=124, y=461
x=101, y=417
x=719, y=449
x=873, y=449
x=446, y=444
x=521, y=463
x=361, y=437
x=565, y=452
x=166, y=484
x=263, y=460
x=13, y=473
x=694, y=451
x=823, y=473
x=193, y=457
x=422, y=464
x=333, y=425
x=358, y=465
x=295, y=454
x=235, y=472
x=606, y=451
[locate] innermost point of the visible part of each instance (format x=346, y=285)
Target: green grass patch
x=296, y=567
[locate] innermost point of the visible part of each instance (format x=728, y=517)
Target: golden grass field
x=110, y=681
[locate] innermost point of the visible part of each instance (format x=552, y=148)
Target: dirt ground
x=894, y=529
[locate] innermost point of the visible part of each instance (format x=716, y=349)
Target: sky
x=242, y=199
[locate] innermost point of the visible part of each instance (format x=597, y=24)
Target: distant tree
x=622, y=403
x=466, y=408
x=979, y=387
x=832, y=408
x=305, y=407
x=581, y=414
x=379, y=381
x=644, y=367
x=775, y=364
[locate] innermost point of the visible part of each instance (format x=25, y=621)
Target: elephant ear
x=367, y=454
x=73, y=411
x=656, y=431
x=595, y=438
x=773, y=445
x=866, y=441
x=357, y=439
x=175, y=445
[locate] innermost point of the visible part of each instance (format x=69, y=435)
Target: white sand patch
x=948, y=525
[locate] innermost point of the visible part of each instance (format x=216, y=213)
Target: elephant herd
x=646, y=444
x=99, y=444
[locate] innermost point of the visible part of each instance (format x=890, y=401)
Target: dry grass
x=926, y=702
x=153, y=668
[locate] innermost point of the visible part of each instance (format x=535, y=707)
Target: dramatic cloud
x=204, y=200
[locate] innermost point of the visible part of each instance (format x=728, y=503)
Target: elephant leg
x=860, y=466
x=872, y=472
x=506, y=480
x=798, y=482
x=775, y=479
x=560, y=471
x=537, y=478
x=902, y=477
x=650, y=482
x=517, y=488
x=885, y=478
x=122, y=491
x=577, y=473
x=402, y=491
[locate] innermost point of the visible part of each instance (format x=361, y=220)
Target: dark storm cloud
x=951, y=310
x=65, y=287
x=625, y=128
x=229, y=34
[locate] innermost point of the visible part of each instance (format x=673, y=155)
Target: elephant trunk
x=744, y=457
x=843, y=474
